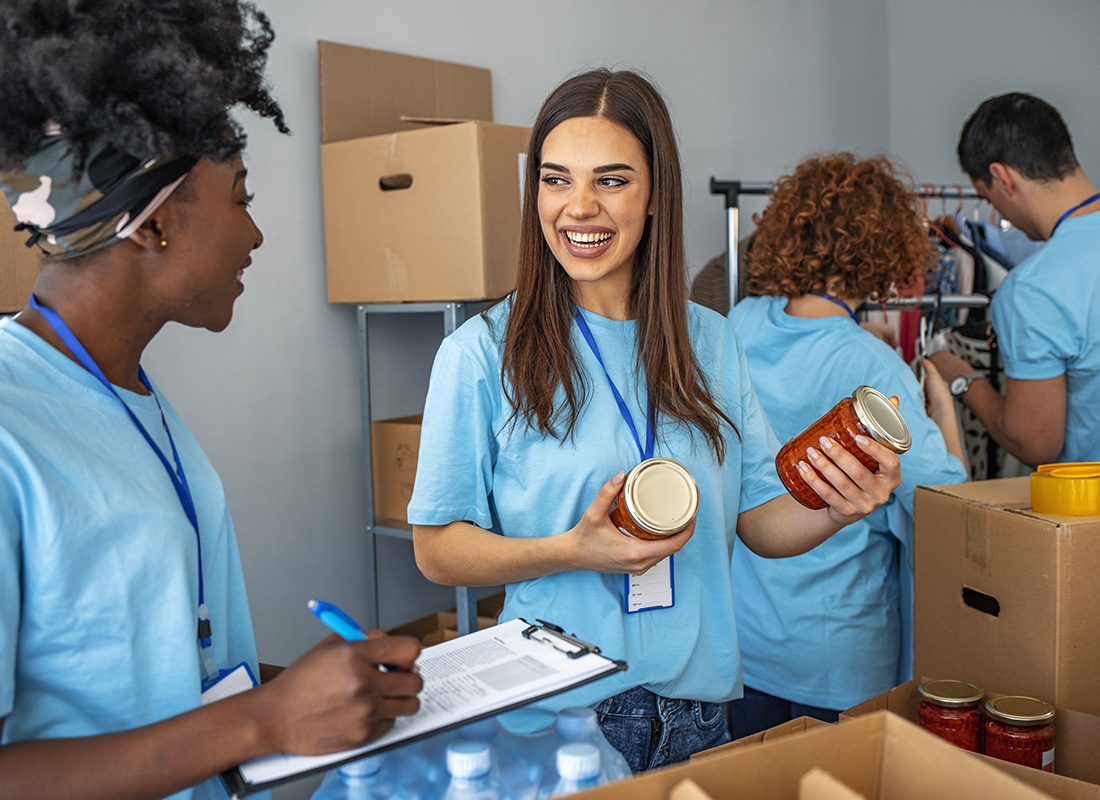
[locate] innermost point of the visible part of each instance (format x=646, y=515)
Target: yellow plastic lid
x=1072, y=489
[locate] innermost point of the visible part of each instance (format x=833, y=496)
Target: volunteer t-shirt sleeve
x=759, y=480
x=454, y=474
x=1036, y=337
x=10, y=602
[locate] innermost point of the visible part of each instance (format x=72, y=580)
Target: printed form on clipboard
x=476, y=676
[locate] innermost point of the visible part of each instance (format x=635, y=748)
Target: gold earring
x=163, y=243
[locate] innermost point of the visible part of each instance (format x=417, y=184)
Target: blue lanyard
x=647, y=451
x=842, y=304
x=177, y=475
x=1077, y=207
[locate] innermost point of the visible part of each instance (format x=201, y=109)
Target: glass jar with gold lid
x=659, y=498
x=951, y=710
x=1021, y=730
x=867, y=412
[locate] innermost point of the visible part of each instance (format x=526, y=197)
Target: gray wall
x=945, y=57
x=753, y=87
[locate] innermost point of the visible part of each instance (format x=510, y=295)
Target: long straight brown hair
x=538, y=341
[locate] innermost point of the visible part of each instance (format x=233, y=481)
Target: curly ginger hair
x=842, y=224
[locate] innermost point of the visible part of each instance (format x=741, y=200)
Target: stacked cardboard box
x=18, y=263
x=395, y=448
x=1007, y=598
x=421, y=191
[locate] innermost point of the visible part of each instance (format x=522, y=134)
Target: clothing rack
x=732, y=191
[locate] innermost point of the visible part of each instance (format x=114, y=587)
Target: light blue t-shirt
x=517, y=482
x=98, y=577
x=831, y=627
x=1046, y=315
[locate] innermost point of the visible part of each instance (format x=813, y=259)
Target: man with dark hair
x=1046, y=314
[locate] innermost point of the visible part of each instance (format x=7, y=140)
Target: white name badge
x=656, y=589
x=230, y=682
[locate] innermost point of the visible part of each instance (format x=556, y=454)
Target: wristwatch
x=960, y=384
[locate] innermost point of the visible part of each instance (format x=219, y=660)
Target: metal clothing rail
x=732, y=191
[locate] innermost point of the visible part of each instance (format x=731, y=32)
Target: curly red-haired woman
x=822, y=631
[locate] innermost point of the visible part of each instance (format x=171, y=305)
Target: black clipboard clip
x=554, y=635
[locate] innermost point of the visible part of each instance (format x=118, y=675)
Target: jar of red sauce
x=1020, y=730
x=659, y=498
x=951, y=710
x=867, y=412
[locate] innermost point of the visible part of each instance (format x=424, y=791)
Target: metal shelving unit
x=454, y=314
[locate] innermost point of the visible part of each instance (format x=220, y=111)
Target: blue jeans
x=653, y=731
x=758, y=711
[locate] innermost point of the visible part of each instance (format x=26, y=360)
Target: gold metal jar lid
x=881, y=419
x=1019, y=710
x=951, y=694
x=661, y=496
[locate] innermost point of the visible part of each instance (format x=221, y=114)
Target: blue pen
x=337, y=621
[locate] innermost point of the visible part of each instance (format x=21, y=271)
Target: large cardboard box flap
x=1077, y=741
x=1005, y=596
x=367, y=92
x=789, y=728
x=878, y=756
x=817, y=784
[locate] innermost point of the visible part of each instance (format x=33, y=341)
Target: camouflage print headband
x=71, y=213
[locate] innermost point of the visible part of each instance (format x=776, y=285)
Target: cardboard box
x=817, y=784
x=368, y=92
x=18, y=263
x=794, y=726
x=1077, y=737
x=1006, y=597
x=442, y=626
x=415, y=213
x=424, y=215
x=394, y=450
x=878, y=756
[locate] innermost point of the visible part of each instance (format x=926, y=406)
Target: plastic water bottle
x=578, y=769
x=419, y=770
x=523, y=763
x=579, y=725
x=359, y=780
x=469, y=764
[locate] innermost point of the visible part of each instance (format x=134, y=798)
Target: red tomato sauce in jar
x=1021, y=730
x=659, y=498
x=950, y=709
x=867, y=412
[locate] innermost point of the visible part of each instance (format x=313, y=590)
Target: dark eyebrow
x=240, y=176
x=598, y=170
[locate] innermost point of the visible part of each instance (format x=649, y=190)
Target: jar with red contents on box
x=659, y=498
x=1020, y=730
x=951, y=710
x=867, y=412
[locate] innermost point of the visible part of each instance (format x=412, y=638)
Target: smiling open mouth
x=588, y=240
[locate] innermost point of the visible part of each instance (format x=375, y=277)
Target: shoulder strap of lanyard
x=1077, y=207
x=842, y=304
x=646, y=452
x=177, y=475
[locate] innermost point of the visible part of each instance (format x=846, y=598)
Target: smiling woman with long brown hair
x=535, y=403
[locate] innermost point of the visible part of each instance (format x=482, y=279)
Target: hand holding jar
x=847, y=460
x=600, y=546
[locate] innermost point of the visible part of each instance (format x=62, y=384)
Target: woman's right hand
x=599, y=546
x=335, y=697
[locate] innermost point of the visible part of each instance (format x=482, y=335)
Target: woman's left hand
x=851, y=490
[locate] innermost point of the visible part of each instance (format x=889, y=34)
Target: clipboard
x=523, y=663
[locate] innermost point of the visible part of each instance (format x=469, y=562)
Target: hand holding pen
x=337, y=695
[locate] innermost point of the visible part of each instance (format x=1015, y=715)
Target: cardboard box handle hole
x=980, y=601
x=391, y=183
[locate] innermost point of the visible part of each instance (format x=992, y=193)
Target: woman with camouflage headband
x=121, y=592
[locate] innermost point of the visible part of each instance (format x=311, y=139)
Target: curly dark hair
x=839, y=216
x=158, y=77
